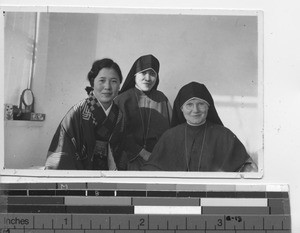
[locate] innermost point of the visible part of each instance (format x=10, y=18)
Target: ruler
x=143, y=208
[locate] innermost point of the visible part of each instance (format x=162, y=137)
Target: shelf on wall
x=22, y=123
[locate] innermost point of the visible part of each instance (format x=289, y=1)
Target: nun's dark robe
x=75, y=143
x=147, y=117
x=179, y=149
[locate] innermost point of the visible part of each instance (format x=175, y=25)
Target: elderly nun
x=198, y=141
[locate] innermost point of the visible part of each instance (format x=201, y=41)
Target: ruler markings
x=210, y=222
x=71, y=219
x=283, y=222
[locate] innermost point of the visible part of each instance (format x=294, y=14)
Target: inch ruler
x=143, y=208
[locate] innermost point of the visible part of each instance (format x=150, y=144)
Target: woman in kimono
x=198, y=141
x=89, y=136
x=147, y=111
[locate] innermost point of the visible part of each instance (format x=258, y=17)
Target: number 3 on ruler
x=220, y=222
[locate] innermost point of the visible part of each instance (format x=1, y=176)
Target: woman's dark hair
x=99, y=65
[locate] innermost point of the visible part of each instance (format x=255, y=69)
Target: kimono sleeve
x=62, y=151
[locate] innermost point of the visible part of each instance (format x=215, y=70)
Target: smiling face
x=146, y=79
x=106, y=86
x=195, y=111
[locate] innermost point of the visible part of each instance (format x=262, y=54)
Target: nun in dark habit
x=198, y=141
x=147, y=111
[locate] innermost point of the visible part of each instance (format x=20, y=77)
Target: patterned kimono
x=87, y=139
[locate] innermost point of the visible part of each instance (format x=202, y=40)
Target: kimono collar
x=106, y=111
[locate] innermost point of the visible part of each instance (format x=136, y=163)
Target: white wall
x=65, y=51
x=281, y=85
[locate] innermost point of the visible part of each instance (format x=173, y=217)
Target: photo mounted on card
x=164, y=93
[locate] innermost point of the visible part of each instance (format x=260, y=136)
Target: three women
x=131, y=131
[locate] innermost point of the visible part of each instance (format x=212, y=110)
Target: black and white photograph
x=145, y=116
x=141, y=92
